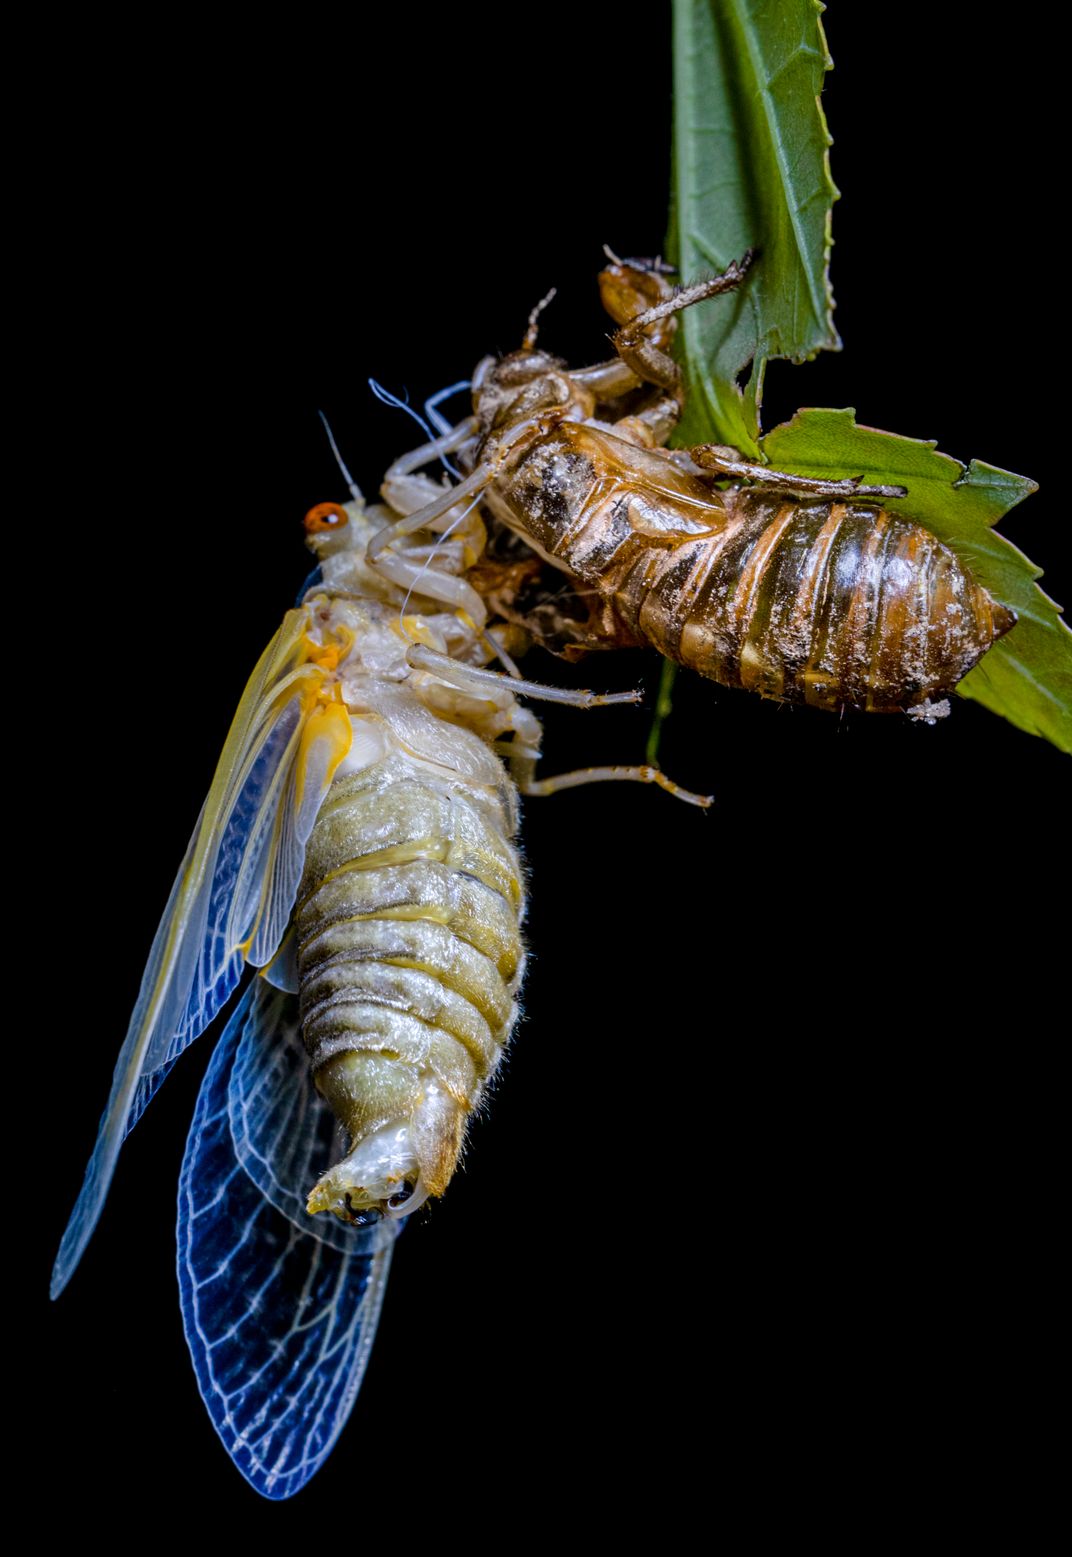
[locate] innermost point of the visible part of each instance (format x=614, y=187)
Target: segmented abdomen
x=828, y=603
x=831, y=604
x=409, y=953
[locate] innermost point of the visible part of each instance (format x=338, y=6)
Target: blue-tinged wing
x=284, y=1134
x=280, y=1308
x=314, y=581
x=234, y=892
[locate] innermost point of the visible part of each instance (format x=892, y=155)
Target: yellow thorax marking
x=329, y=656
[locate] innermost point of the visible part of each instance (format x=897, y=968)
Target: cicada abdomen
x=832, y=604
x=835, y=604
x=794, y=588
x=409, y=957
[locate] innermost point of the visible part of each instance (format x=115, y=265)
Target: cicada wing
x=279, y=1321
x=234, y=892
x=284, y=1134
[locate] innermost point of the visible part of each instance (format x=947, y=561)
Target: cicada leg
x=722, y=460
x=409, y=493
x=418, y=577
x=643, y=342
x=403, y=490
x=523, y=753
x=474, y=678
x=642, y=774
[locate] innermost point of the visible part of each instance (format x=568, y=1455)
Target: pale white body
x=406, y=1001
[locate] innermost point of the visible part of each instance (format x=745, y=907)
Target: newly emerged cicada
x=356, y=847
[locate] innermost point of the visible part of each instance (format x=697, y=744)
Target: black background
x=760, y=1208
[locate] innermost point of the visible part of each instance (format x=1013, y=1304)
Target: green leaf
x=751, y=170
x=1027, y=675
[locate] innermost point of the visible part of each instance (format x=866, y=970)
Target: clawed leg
x=423, y=505
x=431, y=406
x=647, y=354
x=523, y=756
x=426, y=506
x=635, y=775
x=724, y=461
x=473, y=678
x=644, y=338
x=408, y=493
x=420, y=577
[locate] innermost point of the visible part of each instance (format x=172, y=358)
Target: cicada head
x=527, y=384
x=328, y=527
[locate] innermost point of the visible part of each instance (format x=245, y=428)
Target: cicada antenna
x=533, y=330
x=355, y=490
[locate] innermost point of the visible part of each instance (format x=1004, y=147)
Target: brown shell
x=834, y=604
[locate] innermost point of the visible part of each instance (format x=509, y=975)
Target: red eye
x=325, y=516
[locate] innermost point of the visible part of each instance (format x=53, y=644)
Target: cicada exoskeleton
x=805, y=590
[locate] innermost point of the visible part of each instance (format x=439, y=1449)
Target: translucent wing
x=279, y=1319
x=284, y=1134
x=234, y=892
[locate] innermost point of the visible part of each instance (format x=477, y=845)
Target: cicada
x=357, y=849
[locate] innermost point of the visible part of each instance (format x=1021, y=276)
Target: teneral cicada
x=357, y=848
